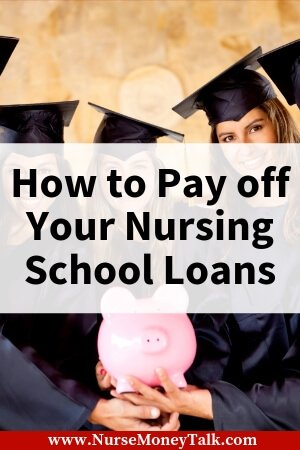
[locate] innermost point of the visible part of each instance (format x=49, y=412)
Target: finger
x=142, y=412
x=172, y=424
x=103, y=378
x=115, y=394
x=139, y=425
x=168, y=385
x=105, y=383
x=164, y=418
x=101, y=372
x=100, y=369
x=138, y=399
x=144, y=426
x=148, y=392
x=133, y=398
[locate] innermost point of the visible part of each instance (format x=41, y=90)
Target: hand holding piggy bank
x=138, y=336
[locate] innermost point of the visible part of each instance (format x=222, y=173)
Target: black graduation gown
x=260, y=389
x=47, y=372
x=30, y=399
x=251, y=365
x=251, y=362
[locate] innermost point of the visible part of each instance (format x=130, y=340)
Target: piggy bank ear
x=171, y=298
x=117, y=300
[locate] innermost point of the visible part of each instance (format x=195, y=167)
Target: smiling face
x=254, y=127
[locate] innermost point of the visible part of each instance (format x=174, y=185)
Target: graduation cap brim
x=7, y=46
x=278, y=63
x=66, y=109
x=192, y=103
x=7, y=135
x=161, y=131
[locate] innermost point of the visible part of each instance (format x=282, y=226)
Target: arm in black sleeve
x=30, y=400
x=213, y=348
x=263, y=407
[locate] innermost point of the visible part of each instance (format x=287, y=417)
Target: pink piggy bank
x=138, y=336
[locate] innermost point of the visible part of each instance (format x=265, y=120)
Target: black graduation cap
x=7, y=46
x=230, y=95
x=36, y=122
x=118, y=128
x=283, y=67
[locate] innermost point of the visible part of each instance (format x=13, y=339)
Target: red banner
x=28, y=440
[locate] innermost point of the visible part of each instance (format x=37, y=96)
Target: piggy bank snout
x=154, y=340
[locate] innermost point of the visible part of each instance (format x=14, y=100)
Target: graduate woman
x=126, y=144
x=47, y=371
x=42, y=385
x=250, y=379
